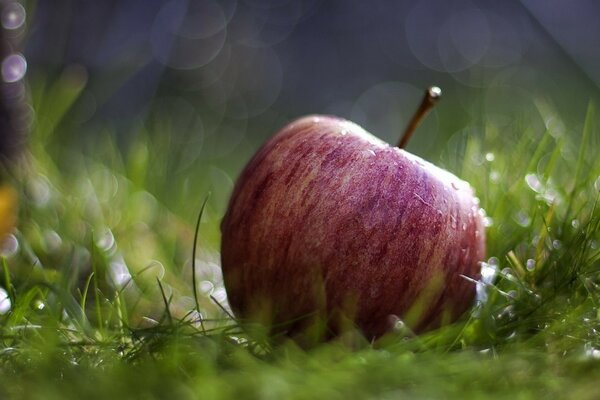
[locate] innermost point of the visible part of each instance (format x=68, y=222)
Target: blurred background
x=215, y=78
x=136, y=109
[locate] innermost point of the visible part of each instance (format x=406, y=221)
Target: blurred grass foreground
x=96, y=290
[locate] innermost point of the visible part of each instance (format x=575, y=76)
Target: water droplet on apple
x=343, y=132
x=369, y=153
x=487, y=222
x=316, y=120
x=464, y=226
x=454, y=185
x=453, y=222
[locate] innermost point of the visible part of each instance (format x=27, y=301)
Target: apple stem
x=432, y=95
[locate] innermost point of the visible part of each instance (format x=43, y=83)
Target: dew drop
x=523, y=218
x=206, y=288
x=343, y=132
x=9, y=246
x=13, y=68
x=39, y=305
x=488, y=221
x=597, y=184
x=533, y=182
x=488, y=272
x=119, y=272
x=494, y=176
x=464, y=226
x=490, y=157
x=106, y=240
x=220, y=295
x=493, y=261
x=530, y=264
x=5, y=303
x=13, y=16
x=52, y=240
x=556, y=244
x=155, y=270
x=575, y=223
x=369, y=153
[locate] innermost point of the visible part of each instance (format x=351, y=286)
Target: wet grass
x=98, y=300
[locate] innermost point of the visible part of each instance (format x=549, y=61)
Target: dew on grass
x=154, y=270
x=206, y=288
x=119, y=272
x=591, y=352
x=38, y=190
x=398, y=326
x=106, y=240
x=490, y=157
x=39, y=305
x=13, y=16
x=523, y=219
x=506, y=272
x=52, y=240
x=534, y=183
x=5, y=303
x=575, y=223
x=495, y=176
x=556, y=244
x=597, y=184
x=195, y=318
x=220, y=295
x=594, y=244
x=9, y=246
x=489, y=271
x=530, y=264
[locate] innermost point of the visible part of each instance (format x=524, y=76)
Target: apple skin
x=327, y=219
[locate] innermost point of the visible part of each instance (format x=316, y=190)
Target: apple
x=329, y=223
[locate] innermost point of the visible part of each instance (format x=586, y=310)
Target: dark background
x=219, y=77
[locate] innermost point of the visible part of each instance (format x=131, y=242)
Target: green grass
x=101, y=284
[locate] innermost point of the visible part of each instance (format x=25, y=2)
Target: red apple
x=327, y=220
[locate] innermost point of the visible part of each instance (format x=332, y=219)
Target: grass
x=99, y=278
